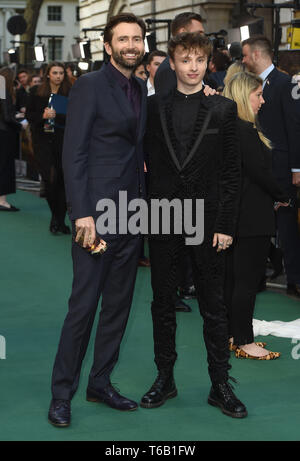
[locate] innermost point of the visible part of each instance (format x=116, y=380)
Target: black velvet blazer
x=211, y=170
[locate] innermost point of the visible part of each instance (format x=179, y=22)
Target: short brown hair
x=261, y=42
x=154, y=54
x=118, y=19
x=183, y=20
x=190, y=41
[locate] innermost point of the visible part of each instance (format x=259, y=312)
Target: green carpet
x=35, y=283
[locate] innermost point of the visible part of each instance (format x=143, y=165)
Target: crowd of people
x=222, y=125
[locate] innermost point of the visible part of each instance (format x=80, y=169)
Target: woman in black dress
x=9, y=140
x=246, y=260
x=48, y=146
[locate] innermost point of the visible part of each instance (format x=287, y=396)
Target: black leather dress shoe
x=163, y=388
x=293, y=290
x=60, y=413
x=187, y=293
x=111, y=397
x=222, y=396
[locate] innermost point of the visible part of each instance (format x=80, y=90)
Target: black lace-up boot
x=222, y=396
x=163, y=388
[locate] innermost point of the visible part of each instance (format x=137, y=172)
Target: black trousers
x=112, y=275
x=8, y=151
x=48, y=153
x=208, y=274
x=288, y=232
x=245, y=267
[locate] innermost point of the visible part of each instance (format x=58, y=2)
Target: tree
x=31, y=16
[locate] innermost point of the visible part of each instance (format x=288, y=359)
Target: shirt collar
x=266, y=72
x=122, y=80
x=150, y=88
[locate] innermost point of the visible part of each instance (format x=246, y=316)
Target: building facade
x=217, y=14
x=59, y=18
x=8, y=8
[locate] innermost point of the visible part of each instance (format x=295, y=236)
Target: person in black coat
x=48, y=146
x=279, y=119
x=9, y=140
x=246, y=260
x=191, y=141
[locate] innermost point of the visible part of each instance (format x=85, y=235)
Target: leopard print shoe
x=233, y=347
x=240, y=354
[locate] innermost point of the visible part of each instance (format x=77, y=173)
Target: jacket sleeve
x=79, y=123
x=229, y=177
x=290, y=103
x=254, y=165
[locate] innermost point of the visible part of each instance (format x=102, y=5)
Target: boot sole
x=214, y=403
x=95, y=400
x=171, y=395
x=59, y=424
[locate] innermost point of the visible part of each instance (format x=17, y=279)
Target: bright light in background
x=39, y=53
x=83, y=65
x=244, y=33
x=81, y=45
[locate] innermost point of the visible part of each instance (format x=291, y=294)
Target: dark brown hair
x=220, y=60
x=118, y=19
x=154, y=54
x=261, y=42
x=190, y=41
x=9, y=76
x=183, y=20
x=44, y=89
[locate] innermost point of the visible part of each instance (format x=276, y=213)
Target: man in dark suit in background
x=165, y=78
x=103, y=154
x=279, y=118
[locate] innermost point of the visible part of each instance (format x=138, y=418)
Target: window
x=54, y=13
x=55, y=53
x=77, y=13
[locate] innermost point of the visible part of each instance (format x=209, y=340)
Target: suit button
x=182, y=176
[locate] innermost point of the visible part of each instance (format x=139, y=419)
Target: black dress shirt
x=184, y=115
x=130, y=87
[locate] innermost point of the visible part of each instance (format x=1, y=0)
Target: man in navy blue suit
x=102, y=155
x=279, y=118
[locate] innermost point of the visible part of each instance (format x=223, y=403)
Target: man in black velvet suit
x=279, y=119
x=191, y=141
x=103, y=154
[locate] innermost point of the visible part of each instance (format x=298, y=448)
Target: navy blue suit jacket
x=103, y=152
x=279, y=119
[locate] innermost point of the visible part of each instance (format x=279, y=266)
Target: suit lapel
x=162, y=112
x=122, y=101
x=143, y=113
x=199, y=137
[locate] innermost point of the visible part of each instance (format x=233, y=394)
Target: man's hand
x=223, y=241
x=87, y=228
x=208, y=91
x=296, y=179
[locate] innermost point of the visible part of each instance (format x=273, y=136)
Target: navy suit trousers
x=112, y=275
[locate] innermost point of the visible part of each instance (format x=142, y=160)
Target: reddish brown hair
x=190, y=41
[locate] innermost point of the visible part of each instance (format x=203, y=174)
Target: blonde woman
x=256, y=223
x=233, y=69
